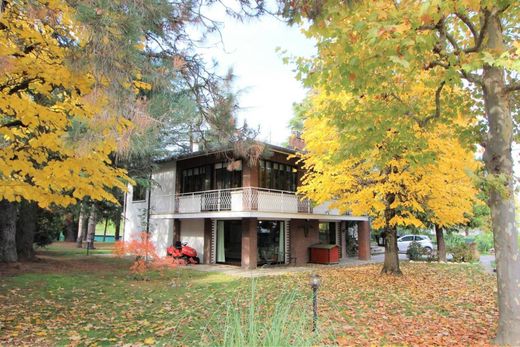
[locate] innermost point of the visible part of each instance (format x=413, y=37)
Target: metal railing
x=242, y=199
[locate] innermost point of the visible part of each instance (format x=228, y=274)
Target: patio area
x=274, y=270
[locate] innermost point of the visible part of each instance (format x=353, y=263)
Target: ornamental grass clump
x=258, y=322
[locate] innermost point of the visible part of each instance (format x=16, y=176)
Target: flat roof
x=201, y=153
x=259, y=215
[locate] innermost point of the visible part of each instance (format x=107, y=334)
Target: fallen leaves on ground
x=431, y=304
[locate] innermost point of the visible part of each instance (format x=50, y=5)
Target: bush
x=415, y=251
x=464, y=252
x=48, y=227
x=484, y=242
x=453, y=240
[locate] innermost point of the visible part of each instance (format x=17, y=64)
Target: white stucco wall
x=163, y=189
x=134, y=216
x=192, y=232
x=162, y=201
x=162, y=234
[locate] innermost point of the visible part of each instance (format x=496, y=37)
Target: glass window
x=271, y=242
x=139, y=193
x=407, y=238
x=196, y=179
x=277, y=176
x=226, y=178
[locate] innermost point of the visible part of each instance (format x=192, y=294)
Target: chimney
x=295, y=141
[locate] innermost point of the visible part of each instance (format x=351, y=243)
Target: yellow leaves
x=149, y=341
x=44, y=100
x=368, y=183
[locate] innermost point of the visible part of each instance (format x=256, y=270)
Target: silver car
x=403, y=243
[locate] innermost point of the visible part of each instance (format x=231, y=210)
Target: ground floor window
x=271, y=242
x=328, y=233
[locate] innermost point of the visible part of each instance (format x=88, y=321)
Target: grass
x=70, y=299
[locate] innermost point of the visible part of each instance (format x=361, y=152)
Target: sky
x=267, y=87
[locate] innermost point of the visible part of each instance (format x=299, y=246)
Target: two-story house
x=238, y=212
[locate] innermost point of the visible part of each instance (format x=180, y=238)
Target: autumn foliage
x=56, y=127
x=146, y=257
x=142, y=248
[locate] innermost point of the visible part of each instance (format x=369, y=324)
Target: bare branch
x=16, y=123
x=471, y=77
x=481, y=35
x=469, y=24
x=438, y=109
x=435, y=63
x=513, y=87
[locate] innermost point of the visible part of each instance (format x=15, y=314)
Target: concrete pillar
x=249, y=243
x=364, y=240
x=207, y=241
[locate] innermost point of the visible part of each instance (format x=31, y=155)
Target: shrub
x=464, y=252
x=453, y=240
x=146, y=257
x=415, y=251
x=484, y=242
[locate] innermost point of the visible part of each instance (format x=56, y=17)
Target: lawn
x=70, y=299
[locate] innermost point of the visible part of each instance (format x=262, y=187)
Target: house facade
x=233, y=211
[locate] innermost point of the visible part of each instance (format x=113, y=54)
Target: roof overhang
x=259, y=215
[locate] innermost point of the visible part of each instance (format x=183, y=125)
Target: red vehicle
x=182, y=253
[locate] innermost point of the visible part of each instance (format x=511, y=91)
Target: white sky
x=267, y=86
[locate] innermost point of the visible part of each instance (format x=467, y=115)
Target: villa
x=234, y=211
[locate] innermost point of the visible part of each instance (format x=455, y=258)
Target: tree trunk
x=91, y=228
x=25, y=230
x=499, y=164
x=8, y=232
x=391, y=264
x=441, y=245
x=69, y=227
x=117, y=224
x=105, y=230
x=82, y=226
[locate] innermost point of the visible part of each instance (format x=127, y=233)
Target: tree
x=41, y=99
x=395, y=192
x=78, y=90
x=381, y=47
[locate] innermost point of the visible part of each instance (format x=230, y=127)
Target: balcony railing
x=242, y=199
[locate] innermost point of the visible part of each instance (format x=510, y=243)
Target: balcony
x=241, y=200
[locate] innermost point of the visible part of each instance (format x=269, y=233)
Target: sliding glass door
x=271, y=242
x=229, y=242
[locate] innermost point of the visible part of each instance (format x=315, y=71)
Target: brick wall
x=299, y=242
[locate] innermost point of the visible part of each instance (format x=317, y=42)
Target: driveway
x=486, y=262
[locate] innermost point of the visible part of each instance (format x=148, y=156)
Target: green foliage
x=48, y=228
x=415, y=251
x=453, y=240
x=463, y=252
x=242, y=327
x=484, y=242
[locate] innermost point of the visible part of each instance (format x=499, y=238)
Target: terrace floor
x=261, y=271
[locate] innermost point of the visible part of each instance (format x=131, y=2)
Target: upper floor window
x=138, y=192
x=196, y=179
x=277, y=176
x=228, y=175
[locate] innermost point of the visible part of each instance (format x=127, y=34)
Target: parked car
x=403, y=242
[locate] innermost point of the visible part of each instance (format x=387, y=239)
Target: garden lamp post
x=315, y=282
